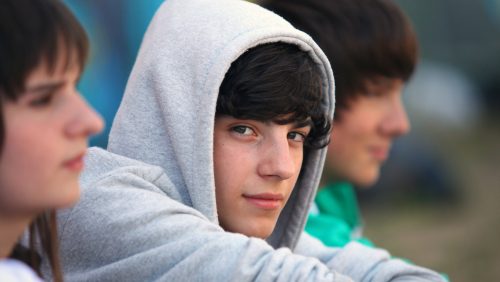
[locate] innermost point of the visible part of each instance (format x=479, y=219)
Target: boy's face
x=362, y=137
x=256, y=167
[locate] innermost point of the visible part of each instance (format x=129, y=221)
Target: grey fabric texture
x=148, y=210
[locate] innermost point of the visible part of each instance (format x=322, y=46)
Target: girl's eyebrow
x=45, y=87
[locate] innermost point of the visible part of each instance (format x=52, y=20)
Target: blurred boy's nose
x=396, y=122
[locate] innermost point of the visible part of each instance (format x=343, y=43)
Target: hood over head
x=166, y=117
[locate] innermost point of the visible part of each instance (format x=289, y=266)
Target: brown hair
x=43, y=233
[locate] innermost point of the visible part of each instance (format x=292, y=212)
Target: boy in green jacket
x=373, y=51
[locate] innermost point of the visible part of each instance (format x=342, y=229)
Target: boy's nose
x=277, y=160
x=396, y=122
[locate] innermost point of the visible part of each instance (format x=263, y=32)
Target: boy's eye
x=42, y=100
x=374, y=94
x=296, y=136
x=243, y=130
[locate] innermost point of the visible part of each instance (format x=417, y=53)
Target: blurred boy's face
x=362, y=137
x=256, y=167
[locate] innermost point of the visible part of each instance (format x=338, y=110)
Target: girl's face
x=45, y=139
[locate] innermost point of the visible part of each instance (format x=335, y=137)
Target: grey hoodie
x=148, y=209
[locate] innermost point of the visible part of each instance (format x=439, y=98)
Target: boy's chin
x=363, y=179
x=261, y=233
x=261, y=230
x=367, y=180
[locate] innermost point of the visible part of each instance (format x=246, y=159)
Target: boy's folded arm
x=363, y=263
x=119, y=232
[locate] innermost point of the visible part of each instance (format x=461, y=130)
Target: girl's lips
x=75, y=164
x=265, y=201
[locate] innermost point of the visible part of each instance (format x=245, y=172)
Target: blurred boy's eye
x=243, y=130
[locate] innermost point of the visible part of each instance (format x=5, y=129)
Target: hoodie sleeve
x=126, y=229
x=363, y=263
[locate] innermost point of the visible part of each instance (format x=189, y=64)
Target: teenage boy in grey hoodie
x=213, y=160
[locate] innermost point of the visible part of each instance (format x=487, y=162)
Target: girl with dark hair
x=44, y=127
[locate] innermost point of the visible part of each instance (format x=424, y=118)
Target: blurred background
x=115, y=29
x=438, y=200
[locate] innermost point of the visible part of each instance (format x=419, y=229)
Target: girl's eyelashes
x=42, y=100
x=44, y=94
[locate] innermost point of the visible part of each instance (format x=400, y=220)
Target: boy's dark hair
x=32, y=32
x=364, y=39
x=276, y=82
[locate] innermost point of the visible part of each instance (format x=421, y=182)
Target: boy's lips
x=380, y=153
x=267, y=201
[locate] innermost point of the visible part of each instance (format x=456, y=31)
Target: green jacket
x=337, y=219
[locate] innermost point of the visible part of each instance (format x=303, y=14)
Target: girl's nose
x=86, y=121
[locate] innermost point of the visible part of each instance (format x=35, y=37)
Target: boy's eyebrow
x=296, y=124
x=305, y=123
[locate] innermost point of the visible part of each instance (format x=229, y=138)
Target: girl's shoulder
x=15, y=271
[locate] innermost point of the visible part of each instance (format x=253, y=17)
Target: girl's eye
x=243, y=130
x=296, y=136
x=41, y=101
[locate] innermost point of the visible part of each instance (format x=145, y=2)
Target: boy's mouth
x=267, y=201
x=380, y=153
